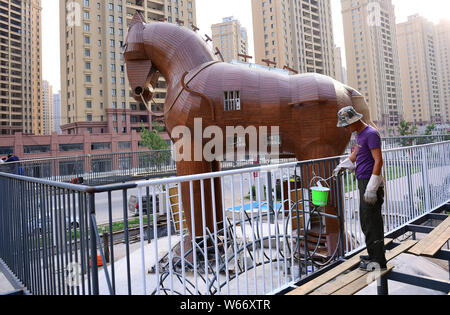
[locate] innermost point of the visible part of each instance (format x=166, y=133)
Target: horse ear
x=135, y=30
x=137, y=18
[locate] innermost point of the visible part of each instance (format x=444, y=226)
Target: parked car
x=133, y=204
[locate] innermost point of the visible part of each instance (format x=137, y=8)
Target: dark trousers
x=372, y=223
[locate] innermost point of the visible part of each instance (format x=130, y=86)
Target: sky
x=212, y=11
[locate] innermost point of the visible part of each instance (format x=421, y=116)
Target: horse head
x=142, y=74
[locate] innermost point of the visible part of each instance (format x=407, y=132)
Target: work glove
x=346, y=165
x=371, y=196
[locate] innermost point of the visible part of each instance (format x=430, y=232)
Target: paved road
x=5, y=286
x=102, y=199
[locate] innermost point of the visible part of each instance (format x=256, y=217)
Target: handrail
x=69, y=214
x=198, y=177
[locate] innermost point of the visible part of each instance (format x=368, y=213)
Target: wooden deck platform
x=434, y=241
x=343, y=281
x=346, y=280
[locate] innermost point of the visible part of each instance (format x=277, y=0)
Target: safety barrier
x=113, y=168
x=262, y=234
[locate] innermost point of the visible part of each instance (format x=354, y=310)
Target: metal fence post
x=383, y=286
x=270, y=216
x=426, y=185
x=93, y=245
x=341, y=212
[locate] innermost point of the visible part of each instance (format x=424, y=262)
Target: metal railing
x=417, y=180
x=112, y=168
x=409, y=141
x=97, y=169
x=262, y=234
x=389, y=143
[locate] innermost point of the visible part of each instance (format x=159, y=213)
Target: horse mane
x=135, y=30
x=138, y=17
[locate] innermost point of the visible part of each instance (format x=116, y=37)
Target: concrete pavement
x=5, y=285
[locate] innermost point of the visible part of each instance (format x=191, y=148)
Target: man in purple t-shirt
x=369, y=163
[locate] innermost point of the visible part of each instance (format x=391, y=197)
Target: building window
x=124, y=145
x=101, y=146
x=36, y=149
x=6, y=150
x=102, y=165
x=71, y=147
x=71, y=168
x=232, y=101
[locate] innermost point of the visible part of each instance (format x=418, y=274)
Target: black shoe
x=364, y=258
x=371, y=266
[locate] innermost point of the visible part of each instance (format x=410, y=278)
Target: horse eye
x=138, y=90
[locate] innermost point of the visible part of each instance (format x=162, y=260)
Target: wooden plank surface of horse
x=300, y=110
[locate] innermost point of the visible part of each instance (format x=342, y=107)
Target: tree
x=430, y=129
x=406, y=128
x=152, y=140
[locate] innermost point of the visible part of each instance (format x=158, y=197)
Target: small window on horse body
x=232, y=101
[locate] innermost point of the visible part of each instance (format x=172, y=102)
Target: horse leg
x=199, y=210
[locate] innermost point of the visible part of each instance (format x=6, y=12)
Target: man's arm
x=375, y=182
x=348, y=164
x=354, y=154
x=378, y=157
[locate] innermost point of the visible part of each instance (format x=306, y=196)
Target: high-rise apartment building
x=95, y=89
x=20, y=67
x=340, y=72
x=57, y=112
x=372, y=58
x=295, y=33
x=47, y=107
x=231, y=39
x=419, y=71
x=443, y=60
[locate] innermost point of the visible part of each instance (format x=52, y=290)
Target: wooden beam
x=245, y=57
x=437, y=244
x=357, y=274
x=432, y=240
x=290, y=69
x=219, y=53
x=339, y=283
x=330, y=275
x=269, y=62
x=362, y=282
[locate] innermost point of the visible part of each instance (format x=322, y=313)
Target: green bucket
x=320, y=196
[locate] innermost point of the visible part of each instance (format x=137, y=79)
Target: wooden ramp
x=434, y=241
x=342, y=281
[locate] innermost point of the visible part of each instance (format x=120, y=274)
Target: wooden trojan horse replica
x=304, y=106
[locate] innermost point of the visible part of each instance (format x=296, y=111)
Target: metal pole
x=426, y=186
x=93, y=244
x=141, y=232
x=269, y=196
x=341, y=214
x=383, y=287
